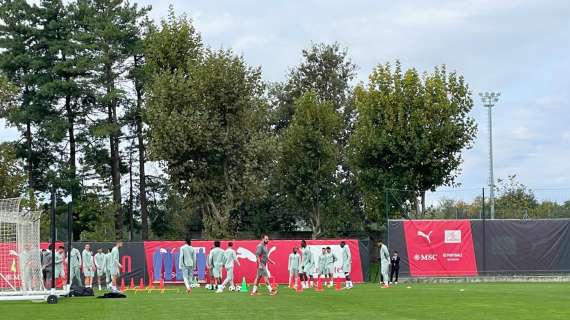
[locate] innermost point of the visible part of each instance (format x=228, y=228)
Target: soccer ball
x=208, y=286
x=232, y=288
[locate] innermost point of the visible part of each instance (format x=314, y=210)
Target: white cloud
x=518, y=47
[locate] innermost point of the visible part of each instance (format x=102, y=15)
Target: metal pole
x=69, y=240
x=386, y=212
x=52, y=238
x=484, y=235
x=491, y=175
x=489, y=99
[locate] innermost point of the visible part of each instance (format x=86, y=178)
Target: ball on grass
x=408, y=287
x=461, y=290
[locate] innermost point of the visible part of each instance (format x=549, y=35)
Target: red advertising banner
x=162, y=258
x=440, y=248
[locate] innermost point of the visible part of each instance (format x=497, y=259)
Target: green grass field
x=422, y=302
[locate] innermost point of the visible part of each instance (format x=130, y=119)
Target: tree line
x=99, y=94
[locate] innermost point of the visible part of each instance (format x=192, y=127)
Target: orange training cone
x=337, y=284
x=132, y=286
x=319, y=286
x=141, y=284
x=123, y=284
x=299, y=286
x=161, y=286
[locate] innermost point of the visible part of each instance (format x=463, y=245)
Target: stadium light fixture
x=489, y=99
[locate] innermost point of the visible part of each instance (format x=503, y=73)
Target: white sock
x=269, y=288
x=254, y=289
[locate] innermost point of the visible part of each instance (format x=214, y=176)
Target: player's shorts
x=294, y=271
x=217, y=272
x=230, y=274
x=262, y=272
x=100, y=272
x=331, y=269
x=346, y=268
x=75, y=271
x=114, y=272
x=384, y=269
x=88, y=272
x=59, y=273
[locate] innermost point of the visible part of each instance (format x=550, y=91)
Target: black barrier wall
x=506, y=246
x=134, y=259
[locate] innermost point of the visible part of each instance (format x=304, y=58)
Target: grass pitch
x=365, y=301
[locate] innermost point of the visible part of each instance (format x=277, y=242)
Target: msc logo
x=425, y=257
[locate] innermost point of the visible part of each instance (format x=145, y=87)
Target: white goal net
x=20, y=256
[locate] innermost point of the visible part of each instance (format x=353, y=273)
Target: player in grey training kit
x=88, y=266
x=293, y=267
x=75, y=266
x=262, y=255
x=100, y=266
x=187, y=263
x=346, y=263
x=307, y=265
x=230, y=260
x=384, y=259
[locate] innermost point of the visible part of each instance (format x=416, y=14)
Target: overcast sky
x=520, y=48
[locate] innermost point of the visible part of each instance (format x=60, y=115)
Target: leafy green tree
x=409, y=133
x=171, y=47
x=327, y=71
x=12, y=174
x=22, y=64
x=7, y=95
x=67, y=91
x=112, y=31
x=214, y=107
x=514, y=199
x=309, y=157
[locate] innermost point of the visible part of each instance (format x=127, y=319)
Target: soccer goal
x=20, y=262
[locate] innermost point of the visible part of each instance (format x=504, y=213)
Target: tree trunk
x=29, y=164
x=316, y=220
x=142, y=151
x=142, y=178
x=131, y=224
x=417, y=206
x=116, y=177
x=423, y=195
x=72, y=165
x=115, y=156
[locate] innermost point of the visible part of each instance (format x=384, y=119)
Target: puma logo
x=425, y=236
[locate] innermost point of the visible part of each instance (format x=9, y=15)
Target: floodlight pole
x=53, y=240
x=489, y=99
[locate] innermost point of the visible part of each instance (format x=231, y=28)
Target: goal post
x=20, y=254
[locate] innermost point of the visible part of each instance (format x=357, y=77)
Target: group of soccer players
x=99, y=266
x=106, y=266
x=218, y=259
x=301, y=266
